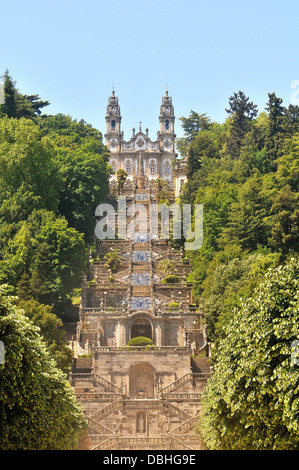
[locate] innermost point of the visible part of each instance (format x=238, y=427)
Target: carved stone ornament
x=140, y=143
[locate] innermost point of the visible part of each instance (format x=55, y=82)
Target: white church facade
x=140, y=155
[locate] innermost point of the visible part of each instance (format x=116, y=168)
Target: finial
x=140, y=122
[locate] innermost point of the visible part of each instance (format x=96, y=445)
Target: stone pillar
x=158, y=334
x=121, y=334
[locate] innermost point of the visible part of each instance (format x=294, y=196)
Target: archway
x=141, y=327
x=142, y=381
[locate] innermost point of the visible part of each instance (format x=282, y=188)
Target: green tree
x=277, y=125
x=242, y=112
x=17, y=105
x=27, y=161
x=81, y=159
x=191, y=125
x=247, y=222
x=166, y=266
x=51, y=330
x=43, y=276
x=285, y=221
x=163, y=193
x=121, y=176
x=52, y=254
x=38, y=407
x=194, y=123
x=202, y=146
x=112, y=261
x=9, y=108
x=251, y=400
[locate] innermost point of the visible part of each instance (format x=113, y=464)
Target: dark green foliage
x=81, y=160
x=171, y=279
x=17, y=105
x=249, y=191
x=38, y=407
x=242, y=112
x=53, y=174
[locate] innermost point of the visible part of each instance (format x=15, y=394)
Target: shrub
x=173, y=305
x=140, y=341
x=171, y=279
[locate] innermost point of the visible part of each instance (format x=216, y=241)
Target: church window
x=113, y=125
x=166, y=125
x=167, y=170
x=153, y=169
x=128, y=169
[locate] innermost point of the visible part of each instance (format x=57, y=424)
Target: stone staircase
x=178, y=383
x=103, y=412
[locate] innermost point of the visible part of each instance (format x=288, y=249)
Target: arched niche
x=142, y=381
x=141, y=326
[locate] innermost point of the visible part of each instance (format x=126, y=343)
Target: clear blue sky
x=71, y=52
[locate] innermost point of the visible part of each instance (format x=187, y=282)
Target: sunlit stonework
x=159, y=159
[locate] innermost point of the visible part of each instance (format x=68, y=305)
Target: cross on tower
x=140, y=122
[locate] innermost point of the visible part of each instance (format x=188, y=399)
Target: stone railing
x=96, y=396
x=98, y=379
x=178, y=383
x=141, y=443
x=181, y=396
x=186, y=426
x=98, y=415
x=146, y=349
x=177, y=411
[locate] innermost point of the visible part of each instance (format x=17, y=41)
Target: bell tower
x=166, y=119
x=113, y=122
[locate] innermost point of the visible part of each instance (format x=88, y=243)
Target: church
x=140, y=155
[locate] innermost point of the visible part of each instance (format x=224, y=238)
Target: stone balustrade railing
x=124, y=311
x=181, y=396
x=147, y=349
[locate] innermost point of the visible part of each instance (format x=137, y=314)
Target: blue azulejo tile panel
x=140, y=303
x=140, y=279
x=141, y=197
x=141, y=237
x=139, y=256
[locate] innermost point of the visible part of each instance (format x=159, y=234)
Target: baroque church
x=140, y=155
x=142, y=396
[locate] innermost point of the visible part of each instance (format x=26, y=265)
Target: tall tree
x=242, y=112
x=16, y=104
x=194, y=123
x=285, y=221
x=191, y=126
x=9, y=108
x=277, y=125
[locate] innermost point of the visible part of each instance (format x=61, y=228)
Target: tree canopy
x=245, y=173
x=37, y=405
x=252, y=399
